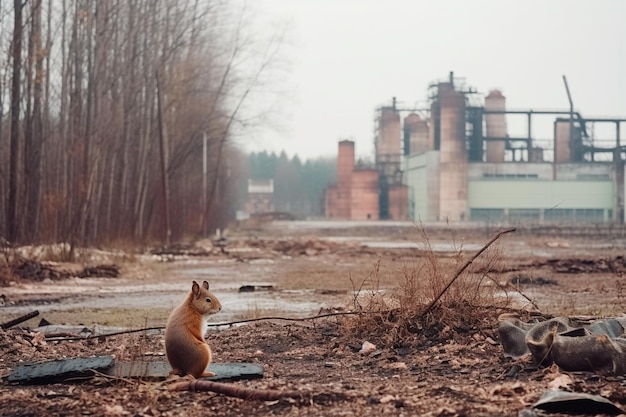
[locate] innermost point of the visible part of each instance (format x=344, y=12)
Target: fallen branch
x=231, y=323
x=232, y=390
x=319, y=316
x=467, y=264
x=53, y=337
x=19, y=320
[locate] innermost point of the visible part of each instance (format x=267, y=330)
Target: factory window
x=592, y=176
x=558, y=215
x=524, y=214
x=572, y=215
x=590, y=215
x=509, y=176
x=486, y=214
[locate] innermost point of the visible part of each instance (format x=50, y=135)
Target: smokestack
x=495, y=126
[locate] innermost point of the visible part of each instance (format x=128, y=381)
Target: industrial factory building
x=357, y=194
x=458, y=159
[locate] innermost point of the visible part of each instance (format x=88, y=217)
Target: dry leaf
x=561, y=381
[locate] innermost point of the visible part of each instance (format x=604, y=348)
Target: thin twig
x=467, y=264
x=231, y=323
x=517, y=290
x=96, y=336
x=319, y=316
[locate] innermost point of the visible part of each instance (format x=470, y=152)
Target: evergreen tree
x=298, y=187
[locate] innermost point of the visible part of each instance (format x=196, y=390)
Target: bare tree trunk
x=87, y=170
x=164, y=158
x=46, y=183
x=93, y=120
x=34, y=128
x=62, y=184
x=11, y=227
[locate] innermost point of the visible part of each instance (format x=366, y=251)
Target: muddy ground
x=445, y=366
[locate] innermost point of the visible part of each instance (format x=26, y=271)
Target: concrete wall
x=479, y=170
x=539, y=194
x=576, y=190
x=586, y=170
x=422, y=179
x=542, y=170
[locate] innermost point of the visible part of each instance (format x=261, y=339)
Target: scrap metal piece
x=59, y=369
x=159, y=370
x=557, y=401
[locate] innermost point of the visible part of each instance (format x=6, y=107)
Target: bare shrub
x=8, y=260
x=436, y=294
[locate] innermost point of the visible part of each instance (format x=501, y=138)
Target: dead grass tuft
x=8, y=261
x=436, y=296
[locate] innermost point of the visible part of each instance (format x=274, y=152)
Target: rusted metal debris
x=100, y=271
x=223, y=371
x=253, y=288
x=558, y=401
x=60, y=369
x=63, y=369
x=37, y=271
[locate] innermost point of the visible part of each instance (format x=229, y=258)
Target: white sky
x=348, y=57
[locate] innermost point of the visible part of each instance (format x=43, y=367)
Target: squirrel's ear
x=195, y=288
x=205, y=284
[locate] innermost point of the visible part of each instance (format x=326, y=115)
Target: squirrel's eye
x=208, y=299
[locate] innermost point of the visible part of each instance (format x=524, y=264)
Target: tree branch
x=467, y=264
x=232, y=390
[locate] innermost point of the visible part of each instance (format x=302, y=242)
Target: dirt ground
x=443, y=368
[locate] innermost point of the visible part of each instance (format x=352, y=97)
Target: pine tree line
x=298, y=187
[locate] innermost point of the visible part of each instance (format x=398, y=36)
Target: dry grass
x=254, y=311
x=432, y=297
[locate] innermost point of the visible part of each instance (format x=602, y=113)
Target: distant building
x=357, y=193
x=455, y=160
x=260, y=196
x=460, y=162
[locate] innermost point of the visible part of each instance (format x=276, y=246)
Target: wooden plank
x=160, y=370
x=60, y=369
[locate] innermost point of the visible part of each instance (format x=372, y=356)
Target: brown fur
x=185, y=347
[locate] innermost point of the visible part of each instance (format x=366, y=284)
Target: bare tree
x=11, y=225
x=105, y=140
x=34, y=125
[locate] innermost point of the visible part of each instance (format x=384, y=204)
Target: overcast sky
x=348, y=57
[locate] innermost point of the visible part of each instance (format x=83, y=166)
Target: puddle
x=167, y=292
x=235, y=305
x=434, y=246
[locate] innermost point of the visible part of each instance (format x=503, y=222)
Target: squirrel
x=185, y=347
